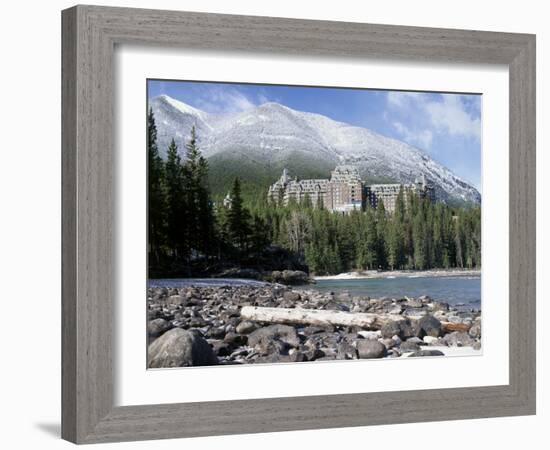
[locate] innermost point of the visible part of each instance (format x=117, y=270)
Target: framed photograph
x=278, y=224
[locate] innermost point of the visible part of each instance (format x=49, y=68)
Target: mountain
x=258, y=143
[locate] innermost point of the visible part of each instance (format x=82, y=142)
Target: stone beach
x=202, y=325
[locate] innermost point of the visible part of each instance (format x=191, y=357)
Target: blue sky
x=446, y=126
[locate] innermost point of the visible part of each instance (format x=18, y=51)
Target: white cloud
x=422, y=138
x=450, y=115
x=443, y=113
x=221, y=100
x=403, y=99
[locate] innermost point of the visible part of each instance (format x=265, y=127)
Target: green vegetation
x=190, y=234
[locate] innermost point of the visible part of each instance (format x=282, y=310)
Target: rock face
x=203, y=325
x=180, y=348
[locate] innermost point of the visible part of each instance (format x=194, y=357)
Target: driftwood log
x=317, y=317
x=448, y=327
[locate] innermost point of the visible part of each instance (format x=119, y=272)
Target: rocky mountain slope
x=257, y=143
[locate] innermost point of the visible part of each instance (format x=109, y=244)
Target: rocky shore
x=196, y=326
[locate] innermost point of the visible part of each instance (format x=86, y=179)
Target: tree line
x=188, y=231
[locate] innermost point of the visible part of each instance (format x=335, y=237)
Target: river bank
x=402, y=274
x=201, y=324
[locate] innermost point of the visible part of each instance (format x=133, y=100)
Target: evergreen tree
x=199, y=215
x=395, y=245
x=238, y=219
x=155, y=191
x=177, y=232
x=381, y=229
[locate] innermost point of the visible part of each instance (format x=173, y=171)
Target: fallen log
x=317, y=317
x=448, y=327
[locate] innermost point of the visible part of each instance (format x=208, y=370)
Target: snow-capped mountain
x=272, y=136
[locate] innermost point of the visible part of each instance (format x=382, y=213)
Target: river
x=456, y=290
x=459, y=291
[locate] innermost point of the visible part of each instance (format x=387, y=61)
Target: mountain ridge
x=271, y=136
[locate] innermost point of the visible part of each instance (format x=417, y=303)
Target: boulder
x=241, y=273
x=368, y=349
x=409, y=346
x=290, y=277
x=346, y=351
x=414, y=303
x=369, y=334
x=475, y=330
x=246, y=327
x=291, y=296
x=390, y=329
x=405, y=328
x=235, y=339
x=221, y=348
x=427, y=353
x=430, y=326
x=157, y=327
x=180, y=348
x=458, y=339
x=175, y=300
x=284, y=333
x=429, y=340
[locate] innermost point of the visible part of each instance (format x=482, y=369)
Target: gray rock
x=283, y=333
x=346, y=351
x=235, y=339
x=175, y=300
x=221, y=348
x=241, y=273
x=415, y=312
x=369, y=334
x=246, y=327
x=217, y=332
x=427, y=353
x=272, y=347
x=458, y=339
x=157, y=327
x=368, y=349
x=405, y=328
x=292, y=296
x=180, y=348
x=414, y=303
x=390, y=329
x=409, y=346
x=430, y=326
x=290, y=277
x=313, y=354
x=475, y=330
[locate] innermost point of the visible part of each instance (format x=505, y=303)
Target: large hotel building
x=344, y=191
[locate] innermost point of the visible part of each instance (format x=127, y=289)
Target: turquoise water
x=460, y=291
x=457, y=291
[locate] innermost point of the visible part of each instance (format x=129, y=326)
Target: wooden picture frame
x=90, y=34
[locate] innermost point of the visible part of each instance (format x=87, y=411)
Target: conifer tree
x=381, y=229
x=199, y=214
x=238, y=219
x=177, y=233
x=155, y=194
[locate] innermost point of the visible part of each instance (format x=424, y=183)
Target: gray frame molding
x=89, y=36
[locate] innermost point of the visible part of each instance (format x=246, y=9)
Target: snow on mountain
x=272, y=135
